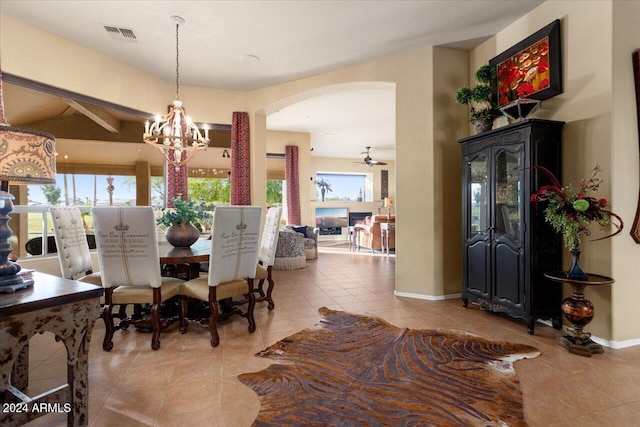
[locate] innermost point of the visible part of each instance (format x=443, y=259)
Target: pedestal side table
x=579, y=311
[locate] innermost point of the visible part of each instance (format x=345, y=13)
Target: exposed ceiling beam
x=98, y=114
x=77, y=126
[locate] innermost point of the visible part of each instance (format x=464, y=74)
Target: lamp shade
x=27, y=156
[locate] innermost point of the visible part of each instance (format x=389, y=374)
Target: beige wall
x=450, y=73
x=34, y=54
x=420, y=262
x=625, y=177
x=596, y=104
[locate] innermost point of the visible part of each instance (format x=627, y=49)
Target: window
x=85, y=190
x=274, y=191
x=210, y=190
x=348, y=187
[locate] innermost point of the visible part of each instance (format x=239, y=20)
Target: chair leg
x=260, y=289
x=213, y=317
x=270, y=302
x=122, y=313
x=155, y=322
x=107, y=344
x=252, y=304
x=183, y=315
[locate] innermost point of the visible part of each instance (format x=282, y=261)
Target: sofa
x=369, y=235
x=310, y=238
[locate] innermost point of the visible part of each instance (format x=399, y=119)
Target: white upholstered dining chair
x=232, y=268
x=267, y=255
x=130, y=268
x=73, y=250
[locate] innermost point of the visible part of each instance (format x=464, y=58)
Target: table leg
x=78, y=380
x=387, y=242
x=72, y=324
x=579, y=311
x=20, y=371
x=352, y=233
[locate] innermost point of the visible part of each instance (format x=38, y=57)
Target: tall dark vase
x=575, y=271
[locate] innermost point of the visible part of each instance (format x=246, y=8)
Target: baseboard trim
x=616, y=345
x=606, y=343
x=426, y=297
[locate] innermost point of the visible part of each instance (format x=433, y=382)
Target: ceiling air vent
x=120, y=33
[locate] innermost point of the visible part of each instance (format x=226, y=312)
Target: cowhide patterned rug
x=356, y=370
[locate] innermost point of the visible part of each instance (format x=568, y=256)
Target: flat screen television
x=332, y=217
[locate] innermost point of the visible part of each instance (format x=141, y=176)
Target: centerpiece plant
x=183, y=222
x=571, y=212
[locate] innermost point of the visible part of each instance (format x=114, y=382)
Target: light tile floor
x=187, y=382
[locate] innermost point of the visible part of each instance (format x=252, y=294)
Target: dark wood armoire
x=507, y=246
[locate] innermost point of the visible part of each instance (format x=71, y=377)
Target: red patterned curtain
x=240, y=186
x=293, y=184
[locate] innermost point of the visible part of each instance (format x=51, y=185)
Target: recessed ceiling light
x=328, y=135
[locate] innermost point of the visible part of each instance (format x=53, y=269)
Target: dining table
x=183, y=263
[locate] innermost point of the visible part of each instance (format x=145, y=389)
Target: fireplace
x=331, y=220
x=357, y=217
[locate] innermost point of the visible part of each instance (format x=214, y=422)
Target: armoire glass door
x=478, y=196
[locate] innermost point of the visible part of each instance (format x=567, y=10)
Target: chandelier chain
x=177, y=62
x=174, y=134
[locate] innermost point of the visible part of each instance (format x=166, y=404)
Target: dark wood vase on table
x=579, y=311
x=182, y=235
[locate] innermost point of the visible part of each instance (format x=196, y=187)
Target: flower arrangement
x=571, y=210
x=186, y=212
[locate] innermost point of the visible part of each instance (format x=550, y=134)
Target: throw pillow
x=302, y=230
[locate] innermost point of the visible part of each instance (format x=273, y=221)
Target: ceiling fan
x=368, y=160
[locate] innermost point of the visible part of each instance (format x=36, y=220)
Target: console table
x=69, y=310
x=579, y=311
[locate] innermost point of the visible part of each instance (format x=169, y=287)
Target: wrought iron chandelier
x=174, y=134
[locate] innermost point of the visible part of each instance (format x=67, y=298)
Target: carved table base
x=581, y=346
x=72, y=324
x=579, y=311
